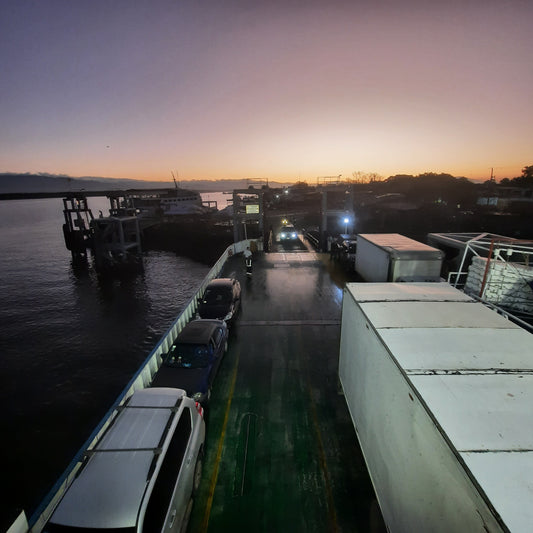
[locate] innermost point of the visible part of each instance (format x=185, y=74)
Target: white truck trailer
x=440, y=391
x=394, y=257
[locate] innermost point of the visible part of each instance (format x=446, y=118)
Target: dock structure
x=116, y=243
x=115, y=240
x=77, y=226
x=248, y=213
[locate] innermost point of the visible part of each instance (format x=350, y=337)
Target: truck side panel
x=420, y=481
x=415, y=269
x=371, y=261
x=393, y=257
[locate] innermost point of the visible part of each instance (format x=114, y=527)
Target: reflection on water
x=69, y=341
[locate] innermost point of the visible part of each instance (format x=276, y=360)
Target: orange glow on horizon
x=474, y=174
x=275, y=91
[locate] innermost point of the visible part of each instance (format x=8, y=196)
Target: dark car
x=194, y=358
x=221, y=300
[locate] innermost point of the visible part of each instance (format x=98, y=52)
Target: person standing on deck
x=248, y=261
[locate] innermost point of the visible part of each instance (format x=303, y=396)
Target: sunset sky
x=277, y=89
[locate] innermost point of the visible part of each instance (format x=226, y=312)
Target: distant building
x=507, y=198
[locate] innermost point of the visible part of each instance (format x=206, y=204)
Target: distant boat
x=183, y=202
x=165, y=202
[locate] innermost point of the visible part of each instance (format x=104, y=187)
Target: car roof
x=198, y=331
x=113, y=482
x=221, y=282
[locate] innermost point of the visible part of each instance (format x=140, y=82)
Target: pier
x=115, y=240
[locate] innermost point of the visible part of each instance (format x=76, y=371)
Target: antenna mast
x=175, y=182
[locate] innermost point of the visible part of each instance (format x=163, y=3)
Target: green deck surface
x=281, y=452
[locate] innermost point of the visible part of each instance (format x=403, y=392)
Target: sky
x=279, y=89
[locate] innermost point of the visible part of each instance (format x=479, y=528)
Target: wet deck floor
x=282, y=453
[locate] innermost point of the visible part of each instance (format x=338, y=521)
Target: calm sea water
x=69, y=342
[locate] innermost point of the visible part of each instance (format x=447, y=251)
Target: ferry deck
x=281, y=451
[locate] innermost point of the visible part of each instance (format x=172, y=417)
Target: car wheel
x=198, y=472
x=186, y=517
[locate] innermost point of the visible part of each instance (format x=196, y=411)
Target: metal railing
x=314, y=240
x=505, y=313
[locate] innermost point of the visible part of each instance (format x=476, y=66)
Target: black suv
x=221, y=300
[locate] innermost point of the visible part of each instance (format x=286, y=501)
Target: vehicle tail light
x=199, y=408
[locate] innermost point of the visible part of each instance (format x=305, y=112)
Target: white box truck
x=440, y=389
x=394, y=257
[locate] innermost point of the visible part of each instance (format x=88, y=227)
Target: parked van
x=144, y=471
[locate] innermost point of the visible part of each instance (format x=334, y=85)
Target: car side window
x=166, y=480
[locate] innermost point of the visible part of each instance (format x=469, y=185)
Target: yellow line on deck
x=207, y=514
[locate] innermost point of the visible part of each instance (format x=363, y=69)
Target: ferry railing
x=512, y=316
x=494, y=247
x=505, y=313
x=140, y=380
x=312, y=239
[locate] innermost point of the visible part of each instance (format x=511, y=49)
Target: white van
x=144, y=471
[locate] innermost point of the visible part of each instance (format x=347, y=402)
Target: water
x=223, y=199
x=69, y=342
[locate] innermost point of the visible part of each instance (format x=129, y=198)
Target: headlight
x=294, y=235
x=283, y=235
x=228, y=316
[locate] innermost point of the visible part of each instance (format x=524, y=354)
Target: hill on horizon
x=47, y=183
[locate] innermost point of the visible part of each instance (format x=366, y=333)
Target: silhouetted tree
x=525, y=180
x=527, y=172
x=433, y=188
x=301, y=186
